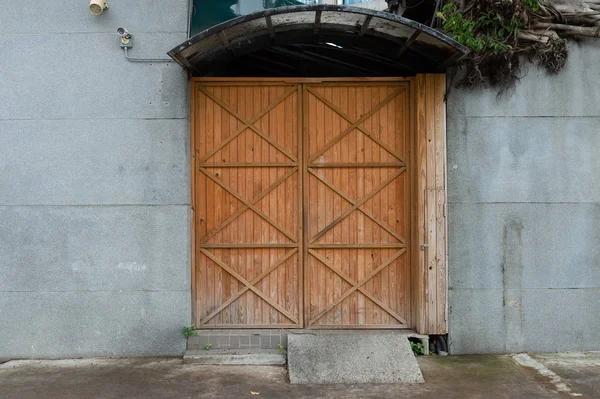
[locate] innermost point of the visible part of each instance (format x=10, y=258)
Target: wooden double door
x=301, y=204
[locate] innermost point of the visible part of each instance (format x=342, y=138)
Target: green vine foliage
x=486, y=33
x=493, y=29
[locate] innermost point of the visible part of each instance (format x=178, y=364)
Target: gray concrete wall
x=524, y=212
x=94, y=181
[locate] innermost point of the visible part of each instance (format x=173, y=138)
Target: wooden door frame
x=421, y=125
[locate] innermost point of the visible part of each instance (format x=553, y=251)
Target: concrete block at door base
x=351, y=359
x=94, y=248
x=93, y=324
x=94, y=162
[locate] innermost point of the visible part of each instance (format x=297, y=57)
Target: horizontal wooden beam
x=357, y=165
x=248, y=245
x=249, y=165
x=357, y=246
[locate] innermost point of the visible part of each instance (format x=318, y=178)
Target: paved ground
x=554, y=376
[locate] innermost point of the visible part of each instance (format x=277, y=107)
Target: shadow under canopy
x=318, y=41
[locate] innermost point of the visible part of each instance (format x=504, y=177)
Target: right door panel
x=357, y=205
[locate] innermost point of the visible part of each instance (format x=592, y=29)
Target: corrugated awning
x=347, y=38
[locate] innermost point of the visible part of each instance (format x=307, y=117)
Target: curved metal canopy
x=288, y=41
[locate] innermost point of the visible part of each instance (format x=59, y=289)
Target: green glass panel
x=208, y=13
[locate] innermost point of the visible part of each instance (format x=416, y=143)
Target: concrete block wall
x=524, y=212
x=94, y=181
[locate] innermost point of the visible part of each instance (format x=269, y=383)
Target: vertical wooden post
x=430, y=237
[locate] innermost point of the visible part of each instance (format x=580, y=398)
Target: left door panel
x=247, y=210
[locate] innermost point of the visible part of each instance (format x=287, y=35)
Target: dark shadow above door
x=321, y=40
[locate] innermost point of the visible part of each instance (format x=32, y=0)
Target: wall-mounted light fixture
x=125, y=37
x=97, y=7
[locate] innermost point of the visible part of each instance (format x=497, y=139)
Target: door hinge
x=424, y=245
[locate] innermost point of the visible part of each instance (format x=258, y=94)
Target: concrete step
x=354, y=358
x=236, y=357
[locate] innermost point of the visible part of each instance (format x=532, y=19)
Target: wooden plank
x=260, y=196
x=360, y=327
x=355, y=124
x=357, y=285
x=257, y=279
x=245, y=222
x=351, y=236
x=431, y=282
x=355, y=191
x=431, y=260
x=374, y=108
x=248, y=165
x=442, y=200
x=356, y=205
x=369, y=184
x=246, y=123
x=232, y=124
x=356, y=165
x=250, y=286
x=304, y=201
x=343, y=180
x=248, y=204
x=249, y=171
x=362, y=290
x=420, y=185
x=430, y=251
x=207, y=81
x=219, y=201
x=356, y=246
x=329, y=281
x=352, y=168
x=442, y=271
x=251, y=125
x=300, y=269
x=439, y=120
x=193, y=133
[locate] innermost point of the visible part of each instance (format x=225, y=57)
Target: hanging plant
x=500, y=32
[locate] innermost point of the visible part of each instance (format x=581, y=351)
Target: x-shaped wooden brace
x=245, y=207
x=355, y=124
x=249, y=285
x=356, y=205
x=250, y=205
x=357, y=286
x=248, y=124
x=352, y=202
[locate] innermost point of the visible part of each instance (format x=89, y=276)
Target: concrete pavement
x=490, y=376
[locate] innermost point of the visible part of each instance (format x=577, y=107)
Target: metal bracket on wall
x=133, y=59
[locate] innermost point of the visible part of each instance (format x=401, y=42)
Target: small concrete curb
x=235, y=357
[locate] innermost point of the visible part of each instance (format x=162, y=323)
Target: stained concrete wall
x=524, y=212
x=94, y=181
